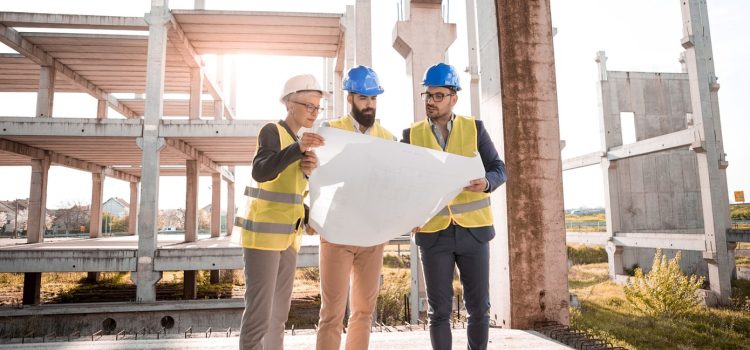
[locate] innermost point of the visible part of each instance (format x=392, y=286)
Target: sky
x=637, y=35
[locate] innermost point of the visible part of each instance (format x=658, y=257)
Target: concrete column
x=133, y=212
x=233, y=85
x=145, y=277
x=215, y=215
x=37, y=211
x=363, y=24
x=471, y=31
x=190, y=286
x=191, y=200
x=199, y=4
x=329, y=85
x=46, y=93
x=32, y=288
x=536, y=222
x=219, y=104
x=610, y=136
x=95, y=212
x=732, y=252
x=422, y=40
x=196, y=90
x=710, y=152
x=102, y=109
x=350, y=37
x=338, y=99
x=230, y=203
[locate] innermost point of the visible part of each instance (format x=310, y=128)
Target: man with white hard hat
x=272, y=225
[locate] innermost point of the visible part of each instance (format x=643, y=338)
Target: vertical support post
x=538, y=269
x=215, y=215
x=32, y=288
x=133, y=211
x=102, y=109
x=196, y=90
x=219, y=104
x=611, y=136
x=350, y=37
x=191, y=200
x=190, y=284
x=363, y=24
x=230, y=203
x=37, y=210
x=471, y=31
x=411, y=41
x=95, y=212
x=146, y=276
x=712, y=163
x=46, y=93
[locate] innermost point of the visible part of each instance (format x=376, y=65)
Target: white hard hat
x=297, y=83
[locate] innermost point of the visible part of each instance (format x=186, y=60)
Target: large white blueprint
x=367, y=190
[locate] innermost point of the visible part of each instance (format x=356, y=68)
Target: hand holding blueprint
x=368, y=190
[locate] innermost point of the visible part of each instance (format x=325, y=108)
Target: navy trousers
x=467, y=249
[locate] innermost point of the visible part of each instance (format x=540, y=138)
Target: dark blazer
x=494, y=173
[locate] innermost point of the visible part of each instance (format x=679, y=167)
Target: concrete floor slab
x=505, y=339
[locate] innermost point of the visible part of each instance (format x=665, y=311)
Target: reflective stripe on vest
x=468, y=209
x=291, y=198
x=275, y=209
x=345, y=123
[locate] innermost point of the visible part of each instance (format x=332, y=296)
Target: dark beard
x=360, y=117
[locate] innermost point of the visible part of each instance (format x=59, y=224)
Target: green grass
x=606, y=314
x=739, y=211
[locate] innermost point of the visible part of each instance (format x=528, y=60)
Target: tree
x=71, y=217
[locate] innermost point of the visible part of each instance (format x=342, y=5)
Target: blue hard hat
x=441, y=74
x=362, y=80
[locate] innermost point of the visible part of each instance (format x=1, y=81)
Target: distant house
x=116, y=206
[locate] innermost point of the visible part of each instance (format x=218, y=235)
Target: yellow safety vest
x=275, y=210
x=345, y=123
x=468, y=209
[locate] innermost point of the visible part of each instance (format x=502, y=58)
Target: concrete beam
x=191, y=153
x=537, y=259
x=682, y=138
x=15, y=41
x=210, y=128
x=585, y=160
x=661, y=240
x=191, y=200
x=70, y=127
x=68, y=260
x=46, y=94
x=95, y=215
x=711, y=163
x=60, y=159
x=37, y=212
x=44, y=20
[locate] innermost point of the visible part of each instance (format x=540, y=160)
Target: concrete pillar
x=133, y=211
x=190, y=286
x=230, y=203
x=95, y=211
x=145, y=277
x=196, y=90
x=219, y=104
x=473, y=68
x=199, y=4
x=32, y=288
x=350, y=37
x=191, y=200
x=102, y=109
x=215, y=215
x=422, y=40
x=37, y=212
x=363, y=24
x=233, y=84
x=329, y=85
x=710, y=152
x=732, y=251
x=338, y=100
x=46, y=93
x=536, y=221
x=610, y=136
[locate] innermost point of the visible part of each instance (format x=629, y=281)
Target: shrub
x=665, y=291
x=309, y=273
x=580, y=255
x=395, y=261
x=391, y=298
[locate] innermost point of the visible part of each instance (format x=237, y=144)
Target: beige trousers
x=338, y=265
x=269, y=278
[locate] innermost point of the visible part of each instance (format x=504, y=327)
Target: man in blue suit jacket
x=459, y=235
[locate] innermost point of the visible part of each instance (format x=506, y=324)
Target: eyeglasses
x=310, y=107
x=437, y=97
